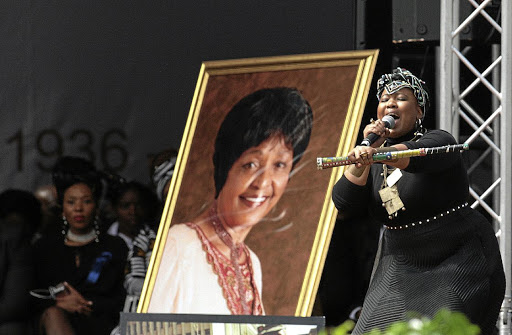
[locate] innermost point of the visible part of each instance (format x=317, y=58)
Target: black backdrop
x=113, y=81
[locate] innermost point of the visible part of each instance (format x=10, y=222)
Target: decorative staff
x=329, y=162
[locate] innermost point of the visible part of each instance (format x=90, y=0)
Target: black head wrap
x=401, y=78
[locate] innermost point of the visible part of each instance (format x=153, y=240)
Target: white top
x=186, y=283
x=114, y=231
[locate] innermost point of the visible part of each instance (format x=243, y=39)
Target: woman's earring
x=65, y=225
x=419, y=127
x=97, y=229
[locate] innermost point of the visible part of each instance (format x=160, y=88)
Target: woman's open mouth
x=394, y=116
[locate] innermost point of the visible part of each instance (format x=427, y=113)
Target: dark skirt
x=453, y=262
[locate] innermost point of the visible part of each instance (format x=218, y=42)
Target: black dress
x=437, y=252
x=96, y=270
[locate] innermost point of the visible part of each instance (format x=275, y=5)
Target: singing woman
x=436, y=251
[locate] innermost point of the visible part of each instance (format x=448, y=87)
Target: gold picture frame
x=292, y=250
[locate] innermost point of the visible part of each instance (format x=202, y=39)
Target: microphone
x=389, y=122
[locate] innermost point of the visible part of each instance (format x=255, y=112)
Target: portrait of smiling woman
x=209, y=269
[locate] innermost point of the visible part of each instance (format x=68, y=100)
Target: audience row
x=74, y=254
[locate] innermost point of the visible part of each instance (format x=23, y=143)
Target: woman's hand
x=378, y=128
x=73, y=302
x=362, y=155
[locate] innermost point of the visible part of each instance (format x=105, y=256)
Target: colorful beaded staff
x=329, y=162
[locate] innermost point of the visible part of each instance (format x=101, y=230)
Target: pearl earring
x=65, y=225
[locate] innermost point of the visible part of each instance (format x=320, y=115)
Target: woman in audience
x=88, y=267
x=135, y=206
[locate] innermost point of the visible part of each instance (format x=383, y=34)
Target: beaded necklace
x=389, y=193
x=235, y=251
x=81, y=238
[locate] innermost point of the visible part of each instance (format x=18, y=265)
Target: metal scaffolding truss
x=490, y=126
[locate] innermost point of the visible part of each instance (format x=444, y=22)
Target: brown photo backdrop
x=292, y=248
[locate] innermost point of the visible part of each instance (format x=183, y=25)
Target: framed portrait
x=292, y=240
x=200, y=324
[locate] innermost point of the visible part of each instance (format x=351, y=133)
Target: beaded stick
x=329, y=162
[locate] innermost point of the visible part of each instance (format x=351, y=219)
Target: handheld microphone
x=389, y=122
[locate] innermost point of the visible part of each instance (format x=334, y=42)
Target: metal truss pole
x=496, y=82
x=505, y=166
x=445, y=106
x=493, y=127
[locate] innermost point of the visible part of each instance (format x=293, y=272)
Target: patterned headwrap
x=401, y=78
x=162, y=174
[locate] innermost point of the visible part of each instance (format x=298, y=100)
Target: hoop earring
x=96, y=229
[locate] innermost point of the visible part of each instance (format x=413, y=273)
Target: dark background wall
x=114, y=81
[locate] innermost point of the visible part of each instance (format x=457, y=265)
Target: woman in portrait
x=436, y=251
x=88, y=267
x=208, y=268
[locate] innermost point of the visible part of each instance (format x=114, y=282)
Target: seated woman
x=136, y=208
x=89, y=266
x=208, y=268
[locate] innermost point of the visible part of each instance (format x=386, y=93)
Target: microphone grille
x=389, y=120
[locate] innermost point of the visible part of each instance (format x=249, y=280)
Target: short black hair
x=71, y=170
x=256, y=117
